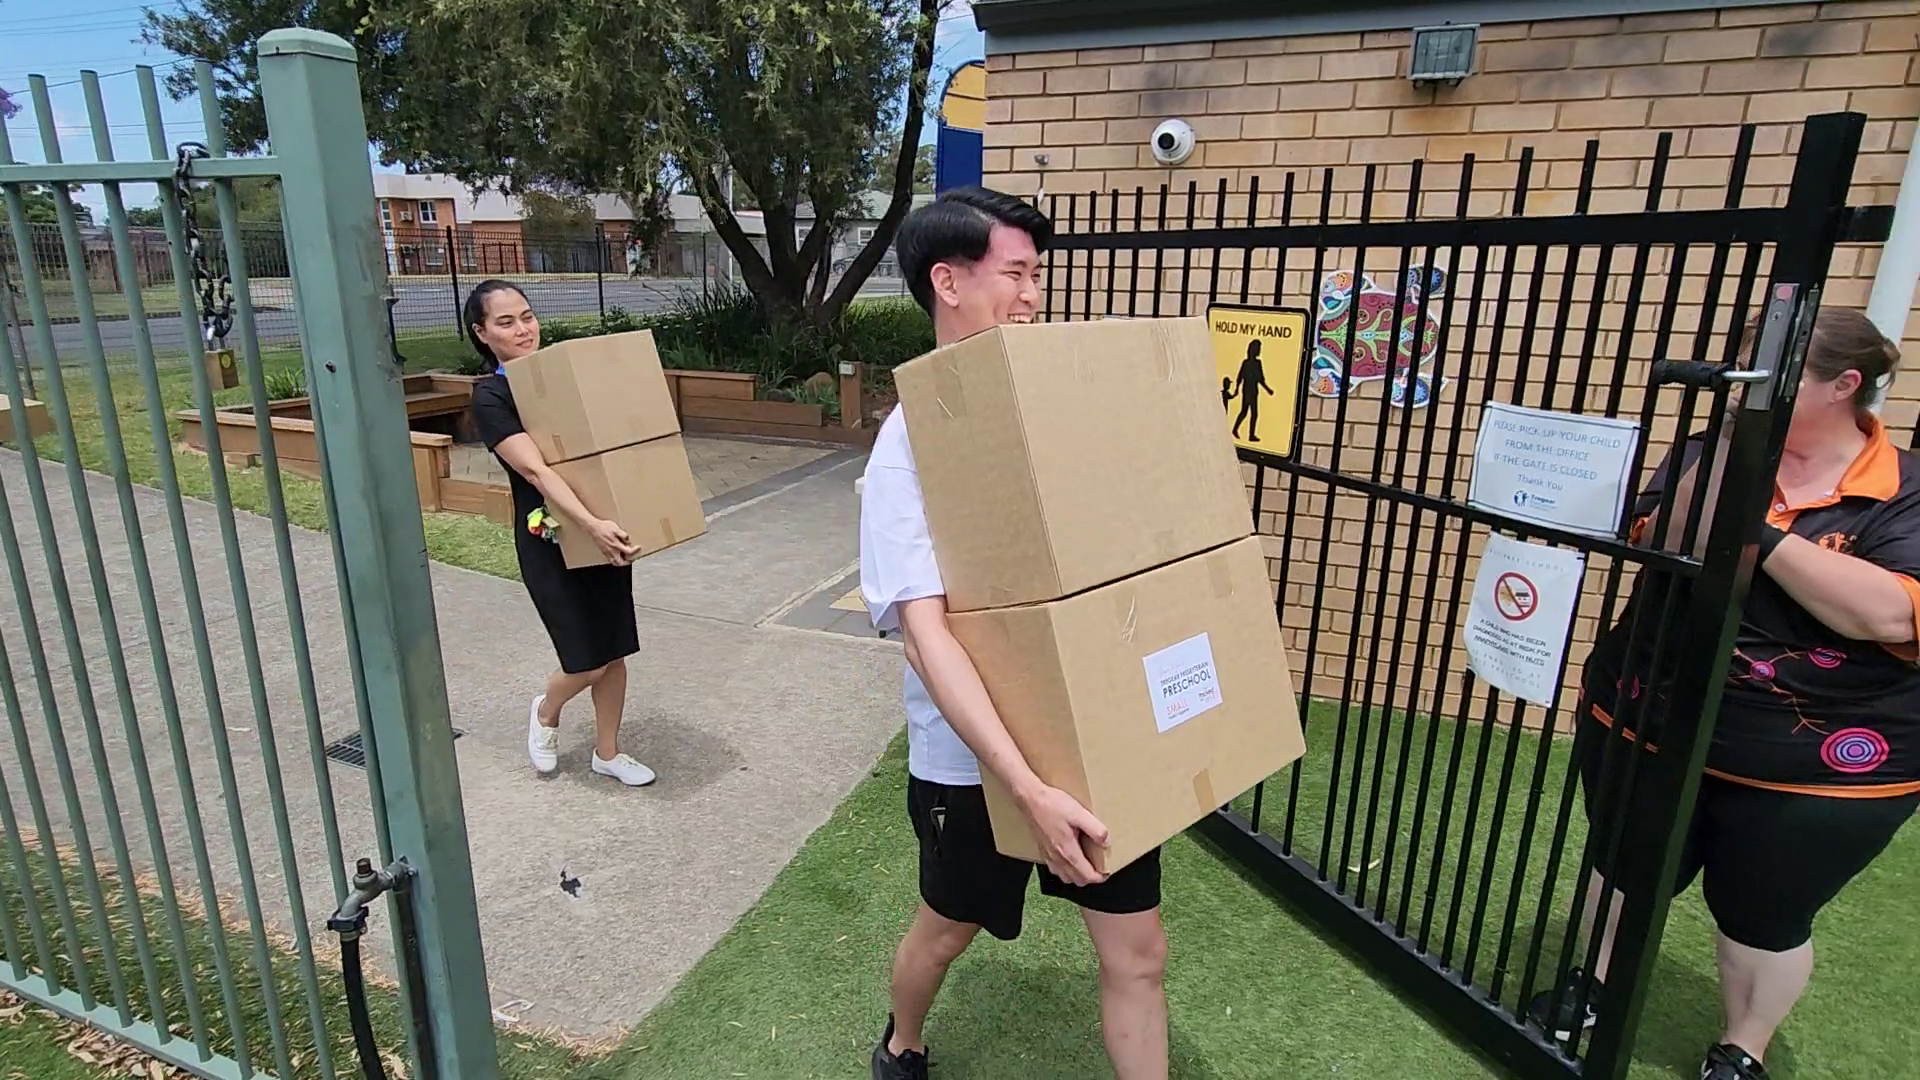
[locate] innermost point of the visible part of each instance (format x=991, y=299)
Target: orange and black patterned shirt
x=1805, y=709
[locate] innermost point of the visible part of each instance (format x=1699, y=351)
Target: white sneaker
x=543, y=742
x=624, y=769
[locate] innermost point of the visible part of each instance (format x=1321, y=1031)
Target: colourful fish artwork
x=1362, y=320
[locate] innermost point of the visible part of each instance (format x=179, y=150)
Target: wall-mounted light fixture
x=1443, y=54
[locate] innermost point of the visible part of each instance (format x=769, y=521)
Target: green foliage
x=145, y=217
x=38, y=199
x=627, y=96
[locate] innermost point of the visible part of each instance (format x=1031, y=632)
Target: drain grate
x=350, y=751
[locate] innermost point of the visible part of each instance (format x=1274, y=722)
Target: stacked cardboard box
x=1094, y=537
x=603, y=418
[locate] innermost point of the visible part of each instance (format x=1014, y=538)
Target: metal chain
x=216, y=293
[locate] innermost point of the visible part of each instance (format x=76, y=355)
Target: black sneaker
x=1728, y=1062
x=1578, y=997
x=909, y=1065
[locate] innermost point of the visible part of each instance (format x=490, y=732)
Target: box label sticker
x=1182, y=682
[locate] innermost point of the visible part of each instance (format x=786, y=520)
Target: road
x=419, y=307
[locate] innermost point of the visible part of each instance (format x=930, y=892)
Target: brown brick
x=1482, y=90
x=1557, y=28
x=1316, y=96
x=1893, y=35
x=1323, y=43
x=1015, y=83
x=1688, y=20
x=1173, y=103
x=1612, y=113
x=1747, y=76
x=1869, y=9
x=1889, y=103
x=1435, y=120
x=1698, y=111
x=1564, y=85
x=1386, y=39
x=1111, y=56
x=1000, y=110
x=1619, y=50
x=1505, y=31
x=1196, y=50
x=1665, y=80
x=1713, y=45
x=1701, y=172
x=1391, y=151
x=1722, y=142
x=1351, y=124
x=1212, y=127
x=999, y=62
x=1560, y=145
x=1277, y=125
x=996, y=161
x=1303, y=152
x=1514, y=117
x=1037, y=108
x=1250, y=47
x=1092, y=106
x=1271, y=69
x=1391, y=94
x=1077, y=80
x=1012, y=135
x=1883, y=69
x=1377, y=64
x=1143, y=77
x=1794, y=105
x=1045, y=59
x=1212, y=73
x=1075, y=132
x=1110, y=156
x=1817, y=39
x=1772, y=13
x=1527, y=55
x=1240, y=153
x=1243, y=99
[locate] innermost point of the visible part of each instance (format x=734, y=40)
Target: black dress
x=588, y=612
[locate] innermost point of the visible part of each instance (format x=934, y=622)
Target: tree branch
x=754, y=268
x=870, y=255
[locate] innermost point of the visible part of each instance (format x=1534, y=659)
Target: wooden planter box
x=39, y=421
x=726, y=403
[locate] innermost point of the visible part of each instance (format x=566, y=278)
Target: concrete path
x=757, y=730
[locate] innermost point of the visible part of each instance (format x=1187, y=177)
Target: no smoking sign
x=1514, y=597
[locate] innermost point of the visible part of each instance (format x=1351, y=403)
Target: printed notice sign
x=1257, y=356
x=1523, y=600
x=1183, y=682
x=1553, y=468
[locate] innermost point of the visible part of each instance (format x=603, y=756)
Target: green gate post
x=310, y=85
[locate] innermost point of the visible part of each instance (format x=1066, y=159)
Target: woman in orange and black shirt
x=1815, y=760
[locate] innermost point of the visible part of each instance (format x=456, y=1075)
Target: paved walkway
x=720, y=466
x=757, y=728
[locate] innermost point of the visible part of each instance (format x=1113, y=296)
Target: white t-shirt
x=897, y=565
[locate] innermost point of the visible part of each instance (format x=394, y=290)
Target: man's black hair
x=958, y=226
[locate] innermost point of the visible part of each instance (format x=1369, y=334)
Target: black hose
x=356, y=986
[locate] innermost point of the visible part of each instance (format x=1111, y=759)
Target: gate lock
x=1705, y=376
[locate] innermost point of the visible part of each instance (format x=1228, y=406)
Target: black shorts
x=963, y=877
x=1771, y=859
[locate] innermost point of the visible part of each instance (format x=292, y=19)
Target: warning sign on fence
x=1257, y=355
x=1523, y=600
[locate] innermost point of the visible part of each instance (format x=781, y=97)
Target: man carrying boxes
x=1094, y=662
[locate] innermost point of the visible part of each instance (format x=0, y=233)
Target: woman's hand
x=613, y=540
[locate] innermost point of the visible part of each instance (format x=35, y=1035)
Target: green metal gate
x=173, y=840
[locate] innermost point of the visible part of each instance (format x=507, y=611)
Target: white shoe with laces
x=624, y=769
x=543, y=742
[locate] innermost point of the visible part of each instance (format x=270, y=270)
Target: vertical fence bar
x=310, y=87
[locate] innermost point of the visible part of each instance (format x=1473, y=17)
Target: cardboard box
x=588, y=396
x=647, y=488
x=1154, y=700
x=1058, y=457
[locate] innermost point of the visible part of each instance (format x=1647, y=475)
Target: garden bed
x=39, y=421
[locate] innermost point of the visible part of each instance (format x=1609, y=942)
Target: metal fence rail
x=170, y=838
x=1437, y=824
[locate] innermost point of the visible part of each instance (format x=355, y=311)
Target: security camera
x=1172, y=142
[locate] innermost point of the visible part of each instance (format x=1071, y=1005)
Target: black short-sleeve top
x=1805, y=708
x=497, y=418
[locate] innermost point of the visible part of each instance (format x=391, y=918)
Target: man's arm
x=1058, y=820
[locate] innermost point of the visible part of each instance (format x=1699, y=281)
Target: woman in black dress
x=588, y=612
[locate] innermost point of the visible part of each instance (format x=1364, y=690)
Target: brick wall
x=1264, y=108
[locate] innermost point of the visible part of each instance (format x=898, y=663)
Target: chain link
x=216, y=293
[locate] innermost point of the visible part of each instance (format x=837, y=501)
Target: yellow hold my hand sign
x=1258, y=354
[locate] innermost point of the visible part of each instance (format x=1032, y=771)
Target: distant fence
x=430, y=268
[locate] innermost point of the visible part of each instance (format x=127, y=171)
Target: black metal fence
x=1439, y=825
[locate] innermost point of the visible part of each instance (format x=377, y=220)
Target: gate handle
x=1703, y=375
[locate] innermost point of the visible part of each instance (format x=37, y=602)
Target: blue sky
x=103, y=35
